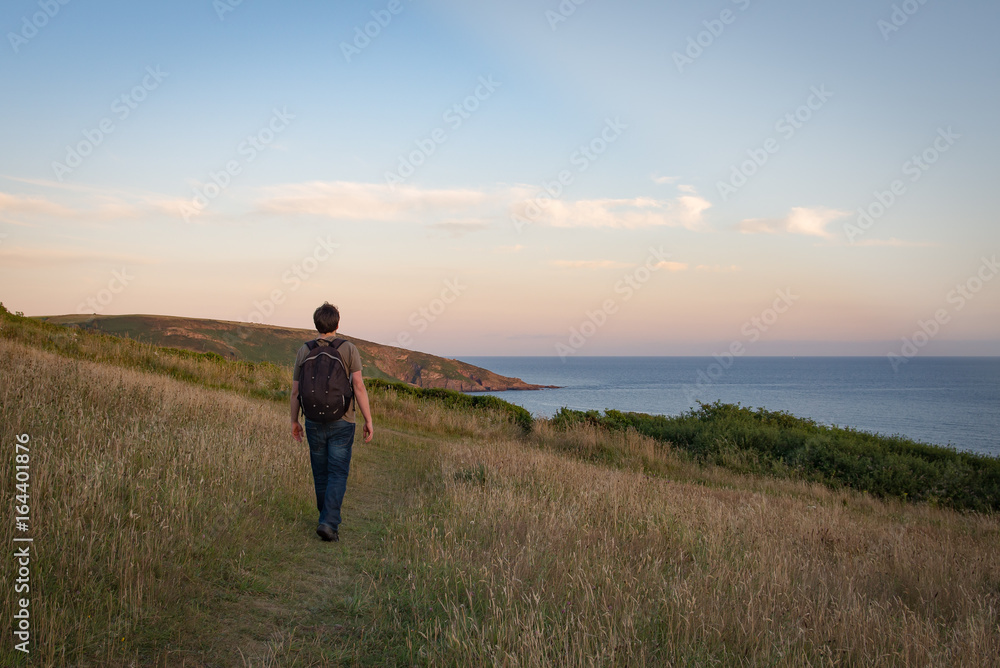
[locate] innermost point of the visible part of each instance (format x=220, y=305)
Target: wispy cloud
x=715, y=268
x=664, y=180
x=800, y=220
x=459, y=228
x=17, y=204
x=612, y=264
x=894, y=242
x=589, y=264
x=80, y=202
x=345, y=200
x=43, y=256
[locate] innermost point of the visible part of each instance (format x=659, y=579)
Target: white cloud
x=672, y=266
x=640, y=212
x=374, y=201
x=664, y=180
x=800, y=220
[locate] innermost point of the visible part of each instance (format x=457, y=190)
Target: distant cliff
x=278, y=345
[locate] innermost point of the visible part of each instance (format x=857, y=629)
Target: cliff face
x=425, y=370
x=278, y=345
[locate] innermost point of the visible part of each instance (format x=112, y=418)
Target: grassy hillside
x=278, y=345
x=173, y=526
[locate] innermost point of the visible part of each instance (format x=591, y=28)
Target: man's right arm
x=297, y=431
x=361, y=394
x=294, y=401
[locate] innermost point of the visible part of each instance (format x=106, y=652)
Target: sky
x=582, y=177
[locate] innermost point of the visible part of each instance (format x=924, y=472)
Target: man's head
x=326, y=318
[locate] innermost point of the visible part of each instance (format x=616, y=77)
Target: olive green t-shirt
x=348, y=354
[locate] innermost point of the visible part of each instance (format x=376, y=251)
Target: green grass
x=516, y=414
x=262, y=380
x=779, y=444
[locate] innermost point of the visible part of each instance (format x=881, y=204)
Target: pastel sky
x=516, y=177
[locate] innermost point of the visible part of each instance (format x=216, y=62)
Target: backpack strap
x=335, y=344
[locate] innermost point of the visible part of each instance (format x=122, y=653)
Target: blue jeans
x=330, y=455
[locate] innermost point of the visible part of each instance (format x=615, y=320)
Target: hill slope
x=173, y=518
x=277, y=345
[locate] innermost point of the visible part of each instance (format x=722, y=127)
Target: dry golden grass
x=260, y=380
x=155, y=501
x=152, y=498
x=143, y=489
x=537, y=560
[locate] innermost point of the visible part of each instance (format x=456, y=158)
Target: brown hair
x=326, y=318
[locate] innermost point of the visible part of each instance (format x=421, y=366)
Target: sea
x=950, y=401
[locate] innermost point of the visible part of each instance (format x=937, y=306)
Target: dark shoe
x=326, y=533
x=336, y=536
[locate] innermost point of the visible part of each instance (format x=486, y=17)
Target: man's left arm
x=361, y=395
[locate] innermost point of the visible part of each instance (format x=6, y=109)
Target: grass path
x=174, y=523
x=311, y=613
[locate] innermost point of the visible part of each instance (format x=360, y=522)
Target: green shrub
x=453, y=399
x=779, y=443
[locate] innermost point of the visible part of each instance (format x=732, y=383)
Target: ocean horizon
x=948, y=401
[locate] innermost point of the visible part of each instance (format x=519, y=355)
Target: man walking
x=331, y=387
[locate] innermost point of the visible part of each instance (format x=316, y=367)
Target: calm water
x=941, y=400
